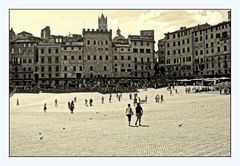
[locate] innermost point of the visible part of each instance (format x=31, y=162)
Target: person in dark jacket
x=72, y=107
x=139, y=113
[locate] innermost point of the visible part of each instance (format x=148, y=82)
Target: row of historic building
x=199, y=51
x=52, y=60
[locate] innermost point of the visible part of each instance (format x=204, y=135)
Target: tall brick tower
x=102, y=22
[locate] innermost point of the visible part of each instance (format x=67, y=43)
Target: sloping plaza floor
x=102, y=130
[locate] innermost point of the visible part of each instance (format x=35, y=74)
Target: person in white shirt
x=129, y=114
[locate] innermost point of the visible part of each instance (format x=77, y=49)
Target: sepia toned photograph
x=119, y=83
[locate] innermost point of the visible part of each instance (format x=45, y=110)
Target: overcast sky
x=63, y=22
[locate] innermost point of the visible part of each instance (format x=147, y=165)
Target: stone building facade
x=23, y=51
x=134, y=57
x=199, y=51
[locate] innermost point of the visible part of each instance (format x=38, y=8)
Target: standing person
x=56, y=103
x=17, y=102
x=119, y=98
x=176, y=90
x=171, y=92
x=72, y=107
x=129, y=114
x=135, y=101
x=86, y=103
x=45, y=107
x=75, y=99
x=130, y=96
x=90, y=102
x=69, y=105
x=161, y=98
x=110, y=98
x=146, y=99
x=102, y=100
x=139, y=113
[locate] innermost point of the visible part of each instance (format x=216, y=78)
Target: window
x=115, y=57
x=179, y=51
x=218, y=35
x=135, y=59
x=88, y=42
x=65, y=57
x=212, y=50
x=80, y=68
x=106, y=49
x=168, y=45
x=135, y=43
x=196, y=39
x=80, y=57
x=148, y=59
x=65, y=75
x=72, y=48
x=201, y=52
x=106, y=42
x=188, y=49
x=141, y=43
x=211, y=44
x=183, y=41
x=148, y=51
x=174, y=44
x=174, y=52
x=129, y=65
x=89, y=57
x=129, y=58
x=94, y=57
x=183, y=50
x=179, y=43
x=42, y=75
x=57, y=68
x=56, y=51
x=218, y=49
x=91, y=68
x=211, y=36
x=72, y=57
x=122, y=49
x=49, y=68
x=141, y=60
x=65, y=68
x=105, y=68
x=100, y=57
x=94, y=42
x=42, y=59
x=188, y=41
x=225, y=48
x=196, y=52
x=183, y=59
x=57, y=75
x=106, y=58
x=42, y=51
x=56, y=60
x=168, y=52
x=206, y=37
x=224, y=34
x=206, y=45
x=49, y=60
x=141, y=50
x=42, y=69
x=49, y=50
x=122, y=57
x=147, y=43
x=74, y=68
x=135, y=50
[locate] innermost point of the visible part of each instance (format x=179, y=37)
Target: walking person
x=146, y=99
x=45, y=107
x=56, y=103
x=69, y=105
x=86, y=103
x=102, y=100
x=130, y=96
x=17, y=102
x=161, y=98
x=72, y=107
x=90, y=102
x=139, y=113
x=129, y=114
